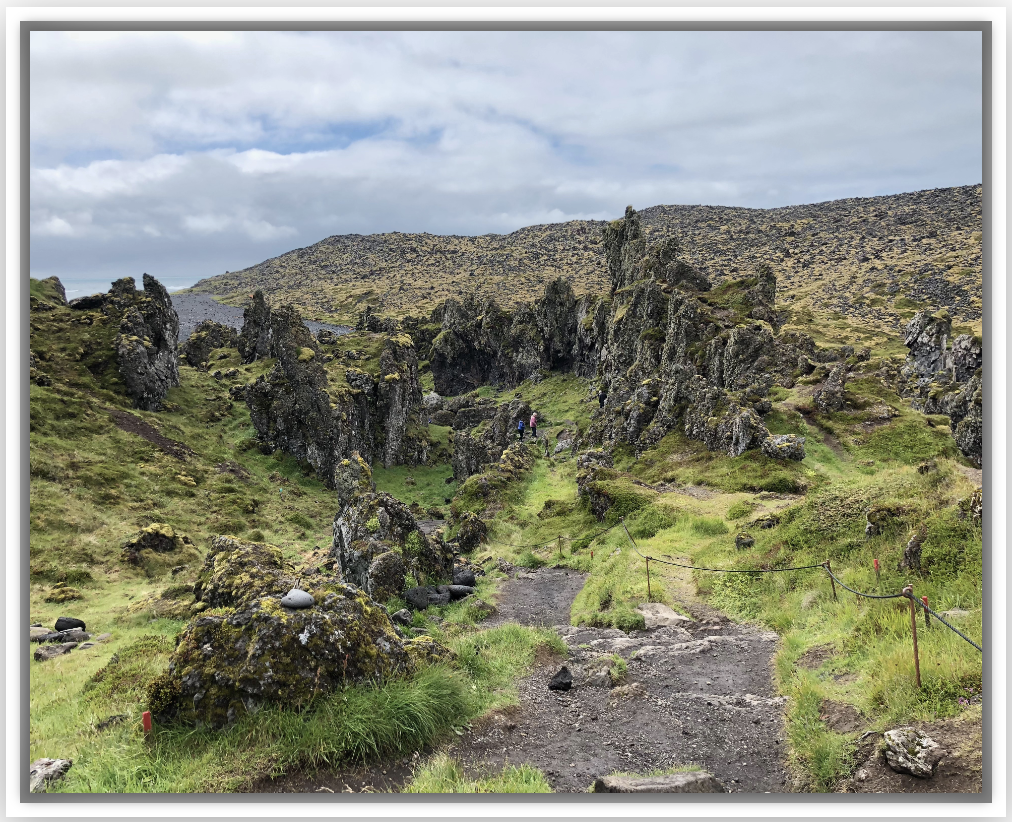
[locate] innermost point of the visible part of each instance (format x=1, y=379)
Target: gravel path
x=193, y=309
x=700, y=696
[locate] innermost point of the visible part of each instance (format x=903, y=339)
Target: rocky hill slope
x=873, y=260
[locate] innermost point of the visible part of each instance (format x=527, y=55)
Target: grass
x=356, y=724
x=423, y=484
x=92, y=486
x=443, y=774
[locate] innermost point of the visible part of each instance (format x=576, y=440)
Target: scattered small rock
x=658, y=615
x=688, y=782
x=109, y=721
x=44, y=771
x=907, y=750
x=744, y=541
x=297, y=598
x=562, y=681
x=401, y=617
x=52, y=651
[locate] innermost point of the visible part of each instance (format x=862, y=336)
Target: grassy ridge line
x=866, y=263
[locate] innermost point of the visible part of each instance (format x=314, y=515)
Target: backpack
x=520, y=425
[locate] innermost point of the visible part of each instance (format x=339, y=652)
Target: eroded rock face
x=254, y=341
x=206, y=337
x=945, y=377
x=296, y=408
x=829, y=395
x=146, y=344
x=249, y=650
x=496, y=429
x=374, y=524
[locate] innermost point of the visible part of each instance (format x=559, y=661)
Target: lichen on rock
x=146, y=344
x=246, y=650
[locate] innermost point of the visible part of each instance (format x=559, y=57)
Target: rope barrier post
x=650, y=596
x=560, y=546
x=908, y=592
x=878, y=577
x=927, y=616
x=831, y=580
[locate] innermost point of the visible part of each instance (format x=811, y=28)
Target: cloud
x=214, y=150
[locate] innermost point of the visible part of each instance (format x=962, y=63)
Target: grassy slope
x=93, y=486
x=868, y=642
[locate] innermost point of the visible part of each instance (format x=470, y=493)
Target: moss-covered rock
x=373, y=524
x=244, y=649
x=158, y=547
x=206, y=337
x=236, y=572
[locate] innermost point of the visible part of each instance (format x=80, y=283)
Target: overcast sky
x=188, y=154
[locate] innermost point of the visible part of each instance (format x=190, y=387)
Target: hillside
x=869, y=261
x=300, y=552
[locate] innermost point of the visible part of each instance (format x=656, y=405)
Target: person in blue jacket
x=520, y=431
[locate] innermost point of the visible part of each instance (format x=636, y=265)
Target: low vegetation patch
x=443, y=774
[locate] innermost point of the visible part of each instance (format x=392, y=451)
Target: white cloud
x=218, y=149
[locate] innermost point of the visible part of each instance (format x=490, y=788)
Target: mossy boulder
x=373, y=524
x=245, y=649
x=206, y=337
x=473, y=531
x=158, y=547
x=236, y=572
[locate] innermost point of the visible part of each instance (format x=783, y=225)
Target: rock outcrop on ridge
x=146, y=345
x=944, y=376
x=321, y=411
x=669, y=350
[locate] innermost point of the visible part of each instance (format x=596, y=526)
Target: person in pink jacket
x=534, y=425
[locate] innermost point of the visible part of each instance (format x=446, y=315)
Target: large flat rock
x=688, y=782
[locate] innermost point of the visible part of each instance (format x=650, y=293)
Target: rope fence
x=906, y=593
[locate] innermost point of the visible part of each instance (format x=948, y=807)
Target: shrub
x=741, y=509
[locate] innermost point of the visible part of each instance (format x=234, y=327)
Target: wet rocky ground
x=193, y=309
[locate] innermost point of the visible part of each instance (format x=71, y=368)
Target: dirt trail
x=698, y=696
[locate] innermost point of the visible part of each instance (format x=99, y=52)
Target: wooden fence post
x=909, y=593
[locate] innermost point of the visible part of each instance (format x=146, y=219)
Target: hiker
x=520, y=431
x=534, y=425
x=602, y=395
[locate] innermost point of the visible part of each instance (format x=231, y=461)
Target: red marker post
x=878, y=579
x=146, y=721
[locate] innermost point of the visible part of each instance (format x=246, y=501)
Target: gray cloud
x=187, y=154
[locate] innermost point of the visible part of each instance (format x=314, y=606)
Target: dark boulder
x=66, y=623
x=146, y=344
x=464, y=576
x=206, y=337
x=562, y=681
